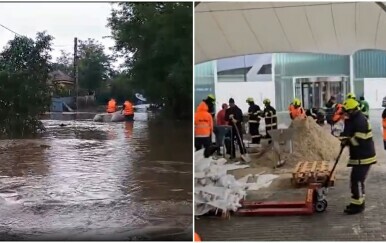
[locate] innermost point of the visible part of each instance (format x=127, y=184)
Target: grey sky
x=64, y=21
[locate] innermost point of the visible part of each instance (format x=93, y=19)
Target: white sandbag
x=201, y=209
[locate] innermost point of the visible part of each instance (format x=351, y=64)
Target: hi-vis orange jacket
x=296, y=112
x=111, y=106
x=129, y=110
x=203, y=121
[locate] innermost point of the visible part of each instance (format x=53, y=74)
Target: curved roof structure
x=226, y=29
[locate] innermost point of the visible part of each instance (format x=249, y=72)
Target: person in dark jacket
x=270, y=118
x=357, y=134
x=234, y=116
x=254, y=118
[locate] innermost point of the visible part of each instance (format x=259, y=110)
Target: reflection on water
x=81, y=176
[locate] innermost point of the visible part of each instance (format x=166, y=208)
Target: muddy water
x=88, y=180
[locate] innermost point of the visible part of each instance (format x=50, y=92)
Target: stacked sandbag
x=214, y=188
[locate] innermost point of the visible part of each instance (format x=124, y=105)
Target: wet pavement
x=332, y=225
x=91, y=181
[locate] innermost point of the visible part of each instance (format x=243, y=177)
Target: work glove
x=344, y=142
x=234, y=120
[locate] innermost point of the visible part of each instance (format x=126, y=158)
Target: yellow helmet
x=297, y=102
x=351, y=96
x=211, y=96
x=250, y=99
x=350, y=104
x=266, y=101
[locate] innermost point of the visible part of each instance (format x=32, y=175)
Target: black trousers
x=237, y=136
x=357, y=180
x=200, y=142
x=254, y=131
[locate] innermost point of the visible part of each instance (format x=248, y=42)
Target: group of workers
x=357, y=134
x=127, y=109
x=229, y=124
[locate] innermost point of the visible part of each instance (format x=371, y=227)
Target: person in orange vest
x=338, y=114
x=296, y=110
x=197, y=237
x=203, y=127
x=111, y=106
x=128, y=111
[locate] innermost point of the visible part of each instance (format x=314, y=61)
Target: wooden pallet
x=311, y=172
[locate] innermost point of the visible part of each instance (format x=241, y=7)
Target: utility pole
x=76, y=71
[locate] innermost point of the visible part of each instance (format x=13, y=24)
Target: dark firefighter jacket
x=254, y=113
x=357, y=128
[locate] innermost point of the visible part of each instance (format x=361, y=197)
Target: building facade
x=313, y=78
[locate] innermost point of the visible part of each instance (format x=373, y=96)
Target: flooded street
x=88, y=180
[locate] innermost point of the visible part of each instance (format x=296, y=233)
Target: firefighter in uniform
x=270, y=118
x=254, y=118
x=357, y=134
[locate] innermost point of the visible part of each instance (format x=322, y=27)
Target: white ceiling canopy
x=226, y=29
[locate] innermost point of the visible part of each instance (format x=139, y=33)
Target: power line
x=5, y=27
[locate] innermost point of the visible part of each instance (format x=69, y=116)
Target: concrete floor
x=332, y=225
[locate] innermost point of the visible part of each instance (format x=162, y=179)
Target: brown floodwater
x=87, y=180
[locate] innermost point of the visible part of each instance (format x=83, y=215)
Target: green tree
x=94, y=65
x=24, y=92
x=156, y=39
x=64, y=63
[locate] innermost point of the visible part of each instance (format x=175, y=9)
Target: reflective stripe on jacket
x=362, y=150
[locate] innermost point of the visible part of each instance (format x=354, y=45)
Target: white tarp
x=227, y=29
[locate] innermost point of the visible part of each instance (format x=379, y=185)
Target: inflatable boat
x=109, y=117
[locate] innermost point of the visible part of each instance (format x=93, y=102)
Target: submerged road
x=98, y=181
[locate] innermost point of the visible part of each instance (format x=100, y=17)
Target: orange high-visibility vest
x=338, y=115
x=296, y=112
x=112, y=106
x=203, y=121
x=129, y=110
x=196, y=237
x=384, y=128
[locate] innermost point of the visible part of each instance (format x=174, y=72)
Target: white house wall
x=240, y=91
x=374, y=91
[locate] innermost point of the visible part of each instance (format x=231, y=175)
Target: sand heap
x=311, y=142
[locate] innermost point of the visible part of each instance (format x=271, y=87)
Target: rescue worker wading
x=111, y=106
x=295, y=109
x=358, y=136
x=254, y=118
x=270, y=118
x=203, y=127
x=128, y=111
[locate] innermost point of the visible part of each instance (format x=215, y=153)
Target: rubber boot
x=354, y=209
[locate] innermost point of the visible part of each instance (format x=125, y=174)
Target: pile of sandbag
x=215, y=189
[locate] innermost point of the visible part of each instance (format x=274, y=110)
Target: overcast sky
x=63, y=21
